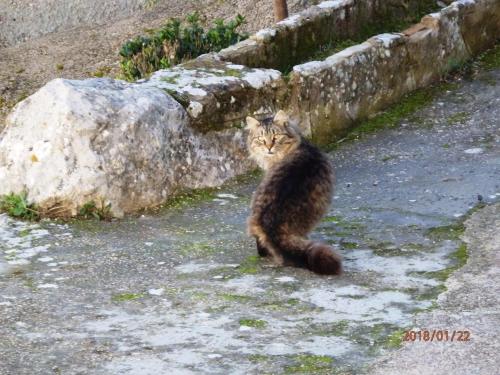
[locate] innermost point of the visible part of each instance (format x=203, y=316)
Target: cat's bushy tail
x=315, y=256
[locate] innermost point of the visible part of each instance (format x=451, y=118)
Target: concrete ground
x=471, y=304
x=182, y=291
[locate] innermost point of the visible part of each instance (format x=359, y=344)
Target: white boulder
x=109, y=142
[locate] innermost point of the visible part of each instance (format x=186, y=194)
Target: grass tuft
x=17, y=206
x=91, y=210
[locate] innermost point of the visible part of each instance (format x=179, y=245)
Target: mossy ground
x=490, y=59
x=250, y=266
x=310, y=364
x=122, y=297
x=253, y=323
x=458, y=118
x=391, y=117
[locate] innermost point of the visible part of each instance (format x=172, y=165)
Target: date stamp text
x=437, y=335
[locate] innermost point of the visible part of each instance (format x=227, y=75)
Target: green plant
x=16, y=205
x=90, y=210
x=176, y=42
x=310, y=364
x=101, y=72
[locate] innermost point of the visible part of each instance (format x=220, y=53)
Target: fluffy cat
x=292, y=197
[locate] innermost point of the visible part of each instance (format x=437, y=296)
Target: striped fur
x=292, y=197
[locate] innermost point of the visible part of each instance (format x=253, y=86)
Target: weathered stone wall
x=327, y=97
x=218, y=95
x=293, y=40
x=331, y=95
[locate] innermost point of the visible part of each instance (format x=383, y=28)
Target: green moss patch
x=446, y=232
x=190, y=197
x=310, y=364
x=236, y=298
x=392, y=116
x=201, y=248
x=388, y=249
x=251, y=265
x=460, y=258
x=122, y=297
x=330, y=329
x=458, y=118
x=394, y=340
x=254, y=323
x=490, y=59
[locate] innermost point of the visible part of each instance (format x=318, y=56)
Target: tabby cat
x=292, y=197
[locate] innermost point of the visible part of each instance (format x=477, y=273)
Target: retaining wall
x=329, y=96
x=293, y=40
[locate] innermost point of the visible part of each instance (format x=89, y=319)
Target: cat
x=293, y=195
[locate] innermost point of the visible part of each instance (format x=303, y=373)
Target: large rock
x=109, y=142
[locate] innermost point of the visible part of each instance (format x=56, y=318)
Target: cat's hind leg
x=263, y=243
x=262, y=250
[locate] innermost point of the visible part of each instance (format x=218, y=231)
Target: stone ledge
x=219, y=95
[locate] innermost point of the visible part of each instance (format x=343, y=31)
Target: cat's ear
x=281, y=118
x=252, y=123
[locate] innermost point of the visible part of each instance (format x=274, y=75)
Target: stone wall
x=330, y=96
x=293, y=40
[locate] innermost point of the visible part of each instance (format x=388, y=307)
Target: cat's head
x=272, y=139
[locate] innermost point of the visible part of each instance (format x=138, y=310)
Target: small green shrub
x=176, y=42
x=16, y=205
x=90, y=210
